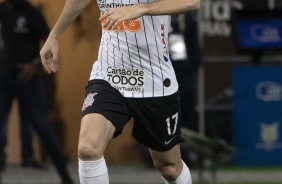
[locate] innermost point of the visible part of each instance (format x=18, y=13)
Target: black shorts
x=157, y=120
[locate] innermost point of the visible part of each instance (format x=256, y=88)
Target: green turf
x=227, y=167
x=213, y=183
x=222, y=168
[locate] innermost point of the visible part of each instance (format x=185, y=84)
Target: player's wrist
x=144, y=9
x=53, y=35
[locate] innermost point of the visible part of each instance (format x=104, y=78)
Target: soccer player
x=132, y=77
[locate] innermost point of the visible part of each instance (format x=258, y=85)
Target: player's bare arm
x=49, y=52
x=162, y=7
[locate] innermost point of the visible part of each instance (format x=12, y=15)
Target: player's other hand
x=49, y=55
x=115, y=16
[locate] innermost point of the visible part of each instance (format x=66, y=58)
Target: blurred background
x=227, y=57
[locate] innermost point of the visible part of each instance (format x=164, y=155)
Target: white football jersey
x=134, y=57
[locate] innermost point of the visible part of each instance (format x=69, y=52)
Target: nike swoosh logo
x=167, y=142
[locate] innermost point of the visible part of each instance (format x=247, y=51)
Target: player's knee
x=168, y=171
x=88, y=152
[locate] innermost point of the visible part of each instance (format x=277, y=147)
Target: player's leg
x=104, y=115
x=171, y=166
x=157, y=125
x=95, y=133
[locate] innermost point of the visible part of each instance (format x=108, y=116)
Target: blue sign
x=257, y=115
x=260, y=33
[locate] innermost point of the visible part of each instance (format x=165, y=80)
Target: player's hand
x=115, y=16
x=49, y=55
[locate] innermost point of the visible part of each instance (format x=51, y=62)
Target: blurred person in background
x=132, y=78
x=6, y=52
x=22, y=28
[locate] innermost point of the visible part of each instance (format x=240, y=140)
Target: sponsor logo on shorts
x=125, y=79
x=88, y=100
x=167, y=142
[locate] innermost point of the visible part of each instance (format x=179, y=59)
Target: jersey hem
x=141, y=95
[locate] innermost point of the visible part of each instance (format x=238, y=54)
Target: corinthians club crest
x=88, y=100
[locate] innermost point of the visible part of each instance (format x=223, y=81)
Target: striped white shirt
x=134, y=57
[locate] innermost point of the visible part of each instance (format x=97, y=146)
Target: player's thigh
x=171, y=157
x=95, y=132
x=104, y=114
